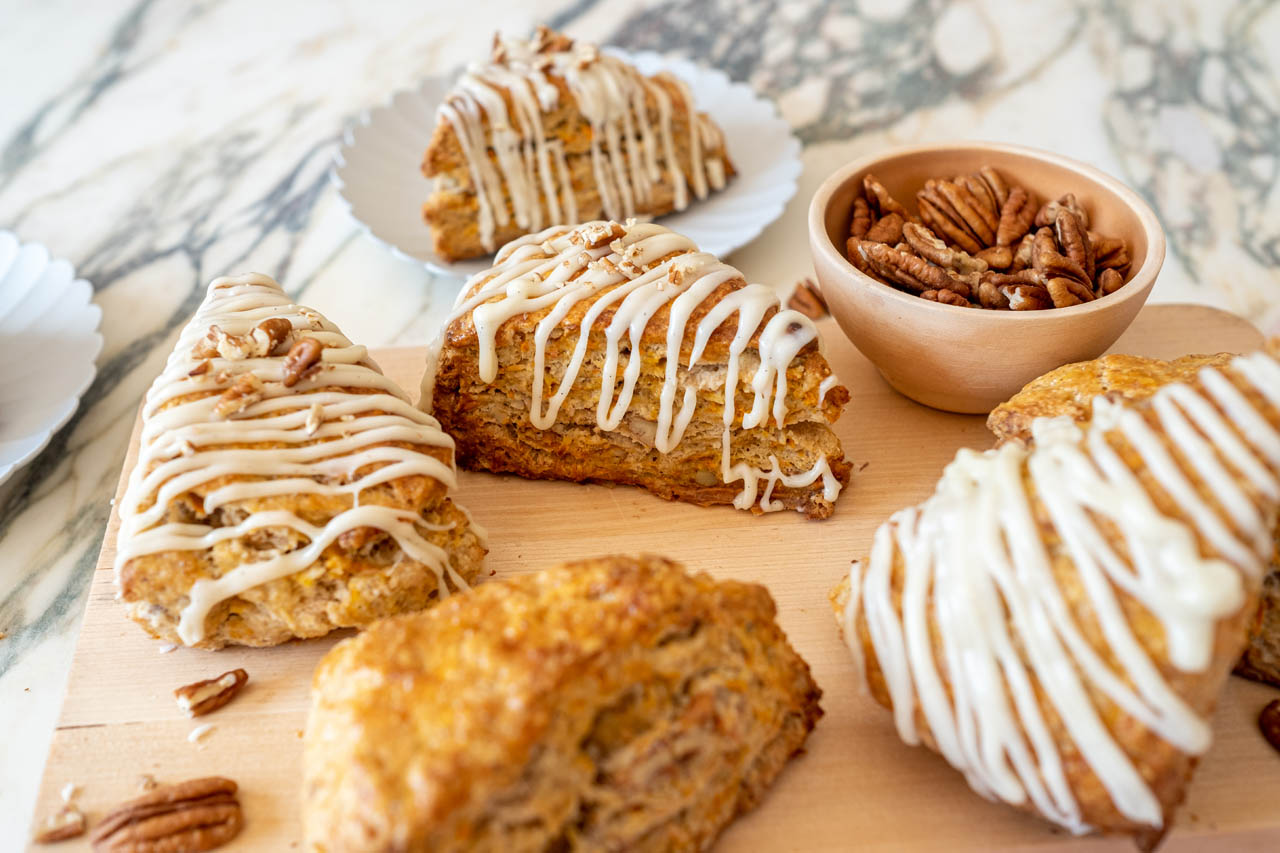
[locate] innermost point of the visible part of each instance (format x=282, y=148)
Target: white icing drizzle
x=635, y=270
x=973, y=559
x=185, y=446
x=630, y=154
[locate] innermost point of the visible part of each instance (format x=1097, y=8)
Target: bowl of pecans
x=965, y=270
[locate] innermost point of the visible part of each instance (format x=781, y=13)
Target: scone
x=609, y=704
x=1058, y=619
x=550, y=130
x=620, y=353
x=1071, y=391
x=284, y=486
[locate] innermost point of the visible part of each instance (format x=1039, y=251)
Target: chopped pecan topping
x=498, y=53
x=68, y=822
x=303, y=358
x=192, y=816
x=246, y=391
x=807, y=300
x=257, y=343
x=597, y=234
x=547, y=40
x=270, y=334
x=200, y=369
x=204, y=697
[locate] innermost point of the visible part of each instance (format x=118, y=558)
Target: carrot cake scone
x=550, y=130
x=284, y=487
x=621, y=353
x=610, y=704
x=1058, y=619
x=1074, y=391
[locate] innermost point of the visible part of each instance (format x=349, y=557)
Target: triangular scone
x=672, y=334
x=284, y=486
x=550, y=130
x=1058, y=620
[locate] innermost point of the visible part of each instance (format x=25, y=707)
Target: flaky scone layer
x=608, y=704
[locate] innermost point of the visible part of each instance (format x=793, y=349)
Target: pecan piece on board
x=1074, y=240
x=1047, y=214
x=879, y=199
x=65, y=824
x=888, y=229
x=1016, y=215
x=861, y=222
x=932, y=248
x=908, y=272
x=205, y=697
x=192, y=816
x=303, y=357
x=807, y=299
x=1109, y=281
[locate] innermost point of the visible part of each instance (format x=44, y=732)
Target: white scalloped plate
x=48, y=342
x=377, y=170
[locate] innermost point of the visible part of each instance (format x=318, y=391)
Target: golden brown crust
x=615, y=703
x=1070, y=389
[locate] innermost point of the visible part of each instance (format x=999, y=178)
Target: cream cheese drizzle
x=630, y=153
x=184, y=447
x=636, y=274
x=973, y=553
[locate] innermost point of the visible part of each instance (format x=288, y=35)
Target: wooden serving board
x=855, y=787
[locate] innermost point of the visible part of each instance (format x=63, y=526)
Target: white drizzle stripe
x=636, y=270
x=630, y=157
x=328, y=434
x=973, y=553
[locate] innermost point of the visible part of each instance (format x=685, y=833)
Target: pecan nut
x=192, y=816
x=1049, y=212
x=942, y=219
x=907, y=272
x=996, y=182
x=1046, y=258
x=303, y=359
x=1016, y=216
x=246, y=391
x=861, y=222
x=807, y=300
x=1109, y=281
x=1269, y=722
x=888, y=229
x=973, y=214
x=1110, y=253
x=930, y=247
x=1022, y=253
x=65, y=824
x=1074, y=240
x=204, y=697
x=950, y=297
x=996, y=257
x=880, y=201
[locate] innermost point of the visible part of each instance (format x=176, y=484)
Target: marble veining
x=158, y=144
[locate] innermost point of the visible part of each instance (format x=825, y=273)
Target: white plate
x=48, y=342
x=377, y=169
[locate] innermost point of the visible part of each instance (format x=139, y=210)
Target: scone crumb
x=68, y=823
x=199, y=733
x=69, y=792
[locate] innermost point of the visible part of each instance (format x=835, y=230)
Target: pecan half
x=1109, y=281
x=888, y=229
x=949, y=297
x=1066, y=292
x=999, y=188
x=1016, y=216
x=996, y=257
x=204, y=697
x=879, y=199
x=1049, y=212
x=981, y=221
x=1046, y=258
x=67, y=823
x=192, y=816
x=908, y=272
x=1024, y=291
x=303, y=357
x=246, y=391
x=1074, y=240
x=1022, y=253
x=930, y=247
x=1269, y=722
x=861, y=222
x=807, y=300
x=981, y=191
x=933, y=211
x=989, y=296
x=1110, y=253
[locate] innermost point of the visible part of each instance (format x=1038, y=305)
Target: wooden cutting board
x=856, y=786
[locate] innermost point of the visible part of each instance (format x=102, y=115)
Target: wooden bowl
x=969, y=359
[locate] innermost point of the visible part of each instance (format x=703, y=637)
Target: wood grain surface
x=855, y=787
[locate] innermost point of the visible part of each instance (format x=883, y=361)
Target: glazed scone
x=610, y=704
x=1058, y=619
x=550, y=131
x=688, y=381
x=284, y=486
x=1071, y=390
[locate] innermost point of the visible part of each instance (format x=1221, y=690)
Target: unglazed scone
x=687, y=381
x=284, y=486
x=550, y=130
x=1057, y=620
x=610, y=704
x=1071, y=390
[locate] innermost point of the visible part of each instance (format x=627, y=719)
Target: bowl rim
x=820, y=241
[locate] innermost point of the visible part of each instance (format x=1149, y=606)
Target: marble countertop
x=160, y=144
